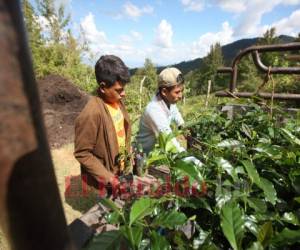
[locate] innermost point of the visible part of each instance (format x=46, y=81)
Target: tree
x=269, y=37
x=55, y=50
x=150, y=72
x=248, y=77
x=277, y=59
x=34, y=32
x=143, y=85
x=208, y=70
x=56, y=18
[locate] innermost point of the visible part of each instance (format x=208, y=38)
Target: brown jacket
x=96, y=145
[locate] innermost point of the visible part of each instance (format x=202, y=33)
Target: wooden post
x=208, y=93
x=31, y=212
x=141, y=92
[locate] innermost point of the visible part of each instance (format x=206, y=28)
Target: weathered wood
x=31, y=212
x=159, y=172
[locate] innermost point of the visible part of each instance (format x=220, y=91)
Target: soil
x=61, y=102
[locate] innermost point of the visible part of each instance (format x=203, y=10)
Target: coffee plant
x=248, y=189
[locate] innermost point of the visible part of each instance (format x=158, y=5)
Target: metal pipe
x=278, y=96
x=224, y=70
x=267, y=48
x=273, y=70
x=255, y=55
x=292, y=57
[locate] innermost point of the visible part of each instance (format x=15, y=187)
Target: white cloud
x=96, y=39
x=134, y=12
x=250, y=24
x=100, y=45
x=136, y=35
x=132, y=37
x=193, y=5
x=92, y=34
x=232, y=5
x=187, y=51
x=288, y=25
x=202, y=46
x=290, y=2
x=253, y=15
x=164, y=33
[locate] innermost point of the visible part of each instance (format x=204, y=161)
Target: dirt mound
x=61, y=102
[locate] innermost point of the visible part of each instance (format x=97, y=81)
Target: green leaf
x=257, y=204
x=169, y=219
x=269, y=190
x=232, y=223
x=252, y=172
x=189, y=169
x=226, y=166
x=110, y=240
x=256, y=246
x=197, y=203
x=251, y=224
x=294, y=176
x=289, y=136
x=201, y=239
x=291, y=218
x=166, y=144
x=247, y=131
x=137, y=234
x=262, y=183
x=265, y=234
x=113, y=218
x=222, y=197
x=170, y=147
x=209, y=246
x=229, y=143
x=271, y=132
x=156, y=158
x=180, y=240
x=297, y=199
x=239, y=170
x=141, y=208
x=144, y=245
x=286, y=237
x=272, y=151
x=110, y=204
x=159, y=242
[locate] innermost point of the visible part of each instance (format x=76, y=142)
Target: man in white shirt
x=162, y=110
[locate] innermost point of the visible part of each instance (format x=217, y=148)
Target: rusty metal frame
x=255, y=52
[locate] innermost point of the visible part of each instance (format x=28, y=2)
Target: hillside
x=229, y=52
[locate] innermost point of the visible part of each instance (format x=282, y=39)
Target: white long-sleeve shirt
x=158, y=118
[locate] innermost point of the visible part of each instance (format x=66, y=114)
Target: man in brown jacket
x=102, y=129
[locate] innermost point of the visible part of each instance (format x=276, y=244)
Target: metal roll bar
x=255, y=52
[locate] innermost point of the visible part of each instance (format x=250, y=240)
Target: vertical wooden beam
x=208, y=93
x=31, y=211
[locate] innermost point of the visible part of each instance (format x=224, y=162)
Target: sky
x=172, y=31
